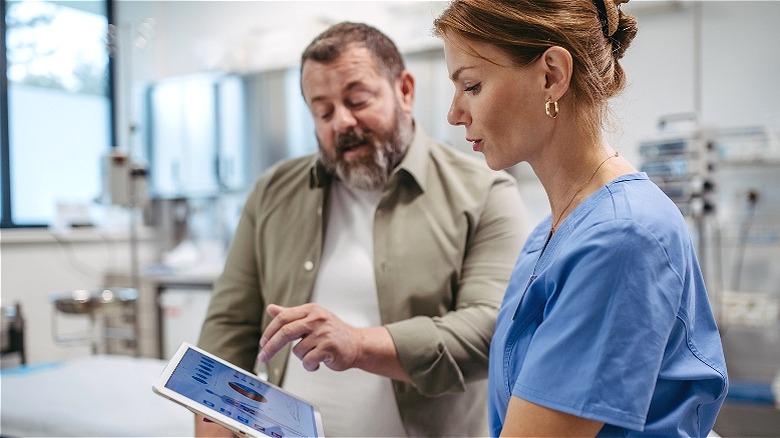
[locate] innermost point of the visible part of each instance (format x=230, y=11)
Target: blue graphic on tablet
x=247, y=400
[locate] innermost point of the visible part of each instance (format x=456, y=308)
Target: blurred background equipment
x=682, y=161
x=12, y=333
x=107, y=319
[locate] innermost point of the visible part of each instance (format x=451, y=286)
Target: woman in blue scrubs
x=606, y=327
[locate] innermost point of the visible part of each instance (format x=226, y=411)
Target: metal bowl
x=95, y=300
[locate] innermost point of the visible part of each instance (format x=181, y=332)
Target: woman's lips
x=476, y=145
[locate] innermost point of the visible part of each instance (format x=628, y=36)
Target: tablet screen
x=241, y=397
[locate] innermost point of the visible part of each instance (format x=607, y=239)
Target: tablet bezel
x=216, y=416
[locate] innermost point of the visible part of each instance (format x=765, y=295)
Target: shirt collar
x=413, y=164
x=318, y=176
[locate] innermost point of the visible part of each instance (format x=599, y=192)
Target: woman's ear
x=558, y=65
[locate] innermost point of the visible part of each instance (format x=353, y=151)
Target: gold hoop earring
x=547, y=108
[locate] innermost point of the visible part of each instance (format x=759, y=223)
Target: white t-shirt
x=352, y=402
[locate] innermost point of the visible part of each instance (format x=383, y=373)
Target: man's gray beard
x=374, y=174
x=366, y=175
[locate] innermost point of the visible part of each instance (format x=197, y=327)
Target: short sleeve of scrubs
x=611, y=304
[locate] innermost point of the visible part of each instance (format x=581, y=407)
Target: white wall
x=727, y=71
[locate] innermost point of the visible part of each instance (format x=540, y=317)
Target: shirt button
x=308, y=265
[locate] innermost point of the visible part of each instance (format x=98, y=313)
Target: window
x=56, y=110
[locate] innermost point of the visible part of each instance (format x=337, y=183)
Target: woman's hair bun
x=613, y=15
x=621, y=27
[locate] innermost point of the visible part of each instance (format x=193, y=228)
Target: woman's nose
x=456, y=116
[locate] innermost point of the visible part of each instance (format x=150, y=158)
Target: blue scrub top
x=611, y=320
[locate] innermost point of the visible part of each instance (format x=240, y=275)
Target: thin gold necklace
x=592, y=175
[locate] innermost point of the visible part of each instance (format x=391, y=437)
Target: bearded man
x=366, y=277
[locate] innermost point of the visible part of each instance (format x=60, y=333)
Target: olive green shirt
x=447, y=232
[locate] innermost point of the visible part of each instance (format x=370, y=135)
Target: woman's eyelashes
x=473, y=89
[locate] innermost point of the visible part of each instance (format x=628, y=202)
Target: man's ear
x=558, y=65
x=405, y=84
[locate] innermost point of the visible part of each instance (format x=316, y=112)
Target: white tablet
x=238, y=400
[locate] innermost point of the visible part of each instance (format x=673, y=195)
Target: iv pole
x=132, y=174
